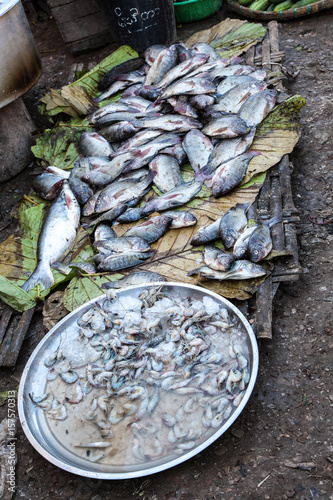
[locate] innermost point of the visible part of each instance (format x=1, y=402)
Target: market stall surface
x=280, y=445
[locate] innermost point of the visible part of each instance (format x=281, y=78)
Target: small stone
x=221, y=451
x=238, y=433
x=67, y=492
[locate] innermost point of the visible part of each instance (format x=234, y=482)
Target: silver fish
x=241, y=244
x=118, y=131
x=232, y=101
x=93, y=144
x=260, y=242
x=227, y=149
x=113, y=107
x=115, y=262
x=174, y=198
x=130, y=215
x=57, y=233
x=232, y=81
x=198, y=148
x=181, y=218
x=169, y=123
x=182, y=106
x=207, y=234
x=181, y=70
x=234, y=69
x=201, y=101
x=152, y=229
x=230, y=173
x=48, y=185
x=123, y=244
x=135, y=278
x=232, y=224
x=121, y=193
x=102, y=176
x=257, y=107
x=226, y=127
x=165, y=60
x=109, y=215
x=218, y=259
x=192, y=86
x=103, y=232
x=166, y=172
x=240, y=270
x=81, y=189
x=145, y=153
x=152, y=52
x=140, y=138
x=204, y=48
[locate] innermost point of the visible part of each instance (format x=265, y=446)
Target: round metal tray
x=34, y=421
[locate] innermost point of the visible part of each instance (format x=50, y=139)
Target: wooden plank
x=277, y=231
x=4, y=322
x=84, y=27
x=74, y=11
x=286, y=192
x=266, y=56
x=18, y=338
x=93, y=42
x=264, y=308
x=263, y=200
x=249, y=56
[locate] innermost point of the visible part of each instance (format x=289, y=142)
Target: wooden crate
x=81, y=23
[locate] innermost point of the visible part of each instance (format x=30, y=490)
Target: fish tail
x=271, y=222
x=42, y=275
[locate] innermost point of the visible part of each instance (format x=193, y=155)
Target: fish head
x=240, y=252
x=257, y=253
x=230, y=236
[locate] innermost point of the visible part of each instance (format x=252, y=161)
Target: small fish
x=218, y=259
x=119, y=261
x=166, y=172
x=240, y=270
x=103, y=232
x=181, y=70
x=232, y=224
x=152, y=229
x=241, y=244
x=113, y=107
x=135, y=278
x=152, y=52
x=182, y=106
x=229, y=174
x=130, y=215
x=187, y=86
x=140, y=138
x=118, y=131
x=181, y=218
x=201, y=101
x=124, y=244
x=164, y=61
x=257, y=107
x=232, y=101
x=82, y=191
x=173, y=198
x=260, y=241
x=168, y=122
x=232, y=81
x=198, y=148
x=204, y=48
x=95, y=444
x=226, y=127
x=93, y=144
x=146, y=153
x=207, y=234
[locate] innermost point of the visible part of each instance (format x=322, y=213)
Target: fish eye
x=256, y=252
x=228, y=238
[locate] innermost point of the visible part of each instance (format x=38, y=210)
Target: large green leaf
x=18, y=257
x=75, y=99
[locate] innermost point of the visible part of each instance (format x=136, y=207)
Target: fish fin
x=62, y=268
x=42, y=275
x=194, y=271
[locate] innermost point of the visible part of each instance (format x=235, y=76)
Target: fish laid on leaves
x=180, y=104
x=58, y=232
x=240, y=270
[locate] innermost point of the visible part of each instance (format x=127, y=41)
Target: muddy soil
x=281, y=445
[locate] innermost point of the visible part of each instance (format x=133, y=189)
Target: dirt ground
x=281, y=445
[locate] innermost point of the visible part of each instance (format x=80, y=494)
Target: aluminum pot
x=20, y=64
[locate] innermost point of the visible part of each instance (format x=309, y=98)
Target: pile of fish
x=160, y=373
x=179, y=104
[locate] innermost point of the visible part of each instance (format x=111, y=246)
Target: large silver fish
x=57, y=233
x=118, y=261
x=194, y=86
x=232, y=101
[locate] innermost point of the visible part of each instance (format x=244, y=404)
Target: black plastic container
x=141, y=23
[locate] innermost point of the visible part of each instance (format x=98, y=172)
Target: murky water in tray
x=143, y=398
